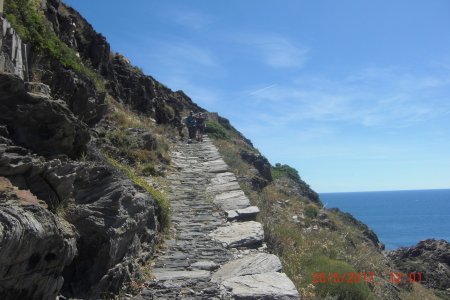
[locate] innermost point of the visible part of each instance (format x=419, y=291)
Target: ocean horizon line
x=387, y=191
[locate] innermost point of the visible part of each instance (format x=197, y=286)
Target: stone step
x=271, y=285
x=232, y=200
x=246, y=234
x=244, y=214
x=169, y=274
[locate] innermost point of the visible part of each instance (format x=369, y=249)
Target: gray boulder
x=35, y=246
x=38, y=122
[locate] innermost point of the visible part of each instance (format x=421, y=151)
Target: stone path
x=218, y=250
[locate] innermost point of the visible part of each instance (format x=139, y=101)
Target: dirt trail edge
x=218, y=250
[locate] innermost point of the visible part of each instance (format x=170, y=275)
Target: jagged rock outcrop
x=77, y=90
x=293, y=185
x=51, y=181
x=259, y=162
x=35, y=246
x=430, y=257
x=13, y=53
x=117, y=225
x=38, y=122
x=115, y=222
x=368, y=233
x=263, y=175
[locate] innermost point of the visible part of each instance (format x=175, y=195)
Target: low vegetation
x=280, y=171
x=138, y=140
x=140, y=149
x=308, y=238
x=160, y=198
x=216, y=130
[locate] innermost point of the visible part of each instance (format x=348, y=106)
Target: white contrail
x=262, y=90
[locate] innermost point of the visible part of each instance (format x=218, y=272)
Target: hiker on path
x=178, y=123
x=191, y=125
x=200, y=119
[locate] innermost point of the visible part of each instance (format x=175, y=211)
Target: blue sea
x=399, y=218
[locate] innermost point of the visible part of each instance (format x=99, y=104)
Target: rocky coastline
x=429, y=257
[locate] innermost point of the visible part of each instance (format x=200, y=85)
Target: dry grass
x=130, y=146
x=230, y=151
x=418, y=292
x=125, y=118
x=161, y=199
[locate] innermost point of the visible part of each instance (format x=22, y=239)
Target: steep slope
x=104, y=171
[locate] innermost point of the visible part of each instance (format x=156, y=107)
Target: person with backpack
x=200, y=119
x=191, y=125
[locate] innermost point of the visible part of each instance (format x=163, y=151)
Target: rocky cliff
x=124, y=82
x=113, y=221
x=93, y=224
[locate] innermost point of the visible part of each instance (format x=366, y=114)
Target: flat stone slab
x=165, y=274
x=216, y=166
x=249, y=265
x=224, y=187
x=232, y=200
x=271, y=285
x=205, y=265
x=220, y=178
x=248, y=213
x=244, y=234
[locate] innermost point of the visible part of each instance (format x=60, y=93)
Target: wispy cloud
x=191, y=19
x=275, y=51
x=181, y=53
x=372, y=98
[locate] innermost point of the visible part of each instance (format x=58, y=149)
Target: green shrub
x=340, y=279
x=161, y=200
x=280, y=171
x=148, y=169
x=122, y=139
x=311, y=211
x=216, y=130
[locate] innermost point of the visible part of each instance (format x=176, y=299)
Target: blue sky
x=354, y=94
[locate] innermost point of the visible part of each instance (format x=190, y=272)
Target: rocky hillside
x=86, y=166
x=429, y=257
